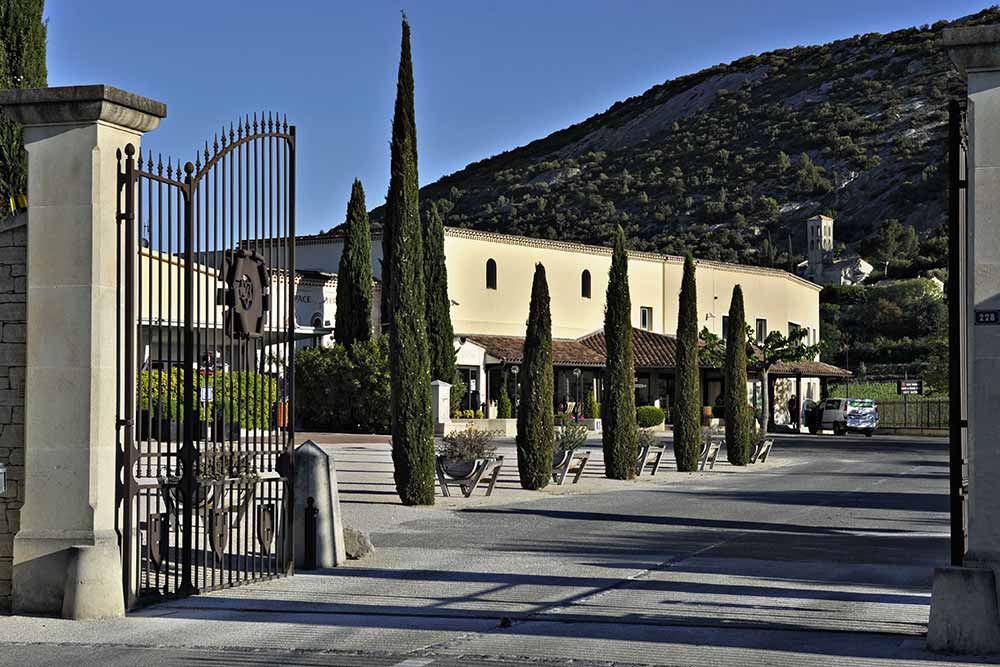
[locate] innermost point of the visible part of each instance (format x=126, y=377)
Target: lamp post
x=576, y=406
x=517, y=392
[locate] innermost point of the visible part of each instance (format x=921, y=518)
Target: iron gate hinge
x=125, y=422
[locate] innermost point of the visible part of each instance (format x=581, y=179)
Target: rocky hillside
x=724, y=159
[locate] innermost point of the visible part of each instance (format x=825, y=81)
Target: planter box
x=506, y=428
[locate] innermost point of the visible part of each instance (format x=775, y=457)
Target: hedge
x=648, y=416
x=242, y=397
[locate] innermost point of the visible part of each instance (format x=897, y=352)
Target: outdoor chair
x=650, y=455
x=709, y=452
x=761, y=451
x=573, y=462
x=484, y=470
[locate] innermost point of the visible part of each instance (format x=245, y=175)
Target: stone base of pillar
x=93, y=583
x=964, y=615
x=42, y=560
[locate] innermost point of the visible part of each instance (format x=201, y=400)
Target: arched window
x=585, y=284
x=491, y=274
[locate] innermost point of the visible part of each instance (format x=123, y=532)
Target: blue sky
x=490, y=76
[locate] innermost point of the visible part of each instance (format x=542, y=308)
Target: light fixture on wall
x=3, y=479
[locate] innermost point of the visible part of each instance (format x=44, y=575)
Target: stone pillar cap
x=975, y=48
x=82, y=104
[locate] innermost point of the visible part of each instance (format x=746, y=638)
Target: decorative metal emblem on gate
x=265, y=527
x=245, y=293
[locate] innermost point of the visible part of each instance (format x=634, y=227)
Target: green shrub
x=570, y=437
x=238, y=397
x=644, y=438
x=504, y=408
x=344, y=390
x=648, y=416
x=467, y=445
x=591, y=408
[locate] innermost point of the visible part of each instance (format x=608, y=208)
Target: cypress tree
x=687, y=402
x=620, y=430
x=22, y=65
x=440, y=335
x=353, y=320
x=535, y=416
x=738, y=413
x=409, y=367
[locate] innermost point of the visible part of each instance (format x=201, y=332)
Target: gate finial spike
x=149, y=163
x=231, y=135
x=138, y=158
x=206, y=151
x=270, y=122
x=239, y=129
x=215, y=144
x=285, y=122
x=255, y=122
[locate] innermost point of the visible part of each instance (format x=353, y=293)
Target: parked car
x=859, y=415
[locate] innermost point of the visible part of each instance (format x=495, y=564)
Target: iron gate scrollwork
x=206, y=351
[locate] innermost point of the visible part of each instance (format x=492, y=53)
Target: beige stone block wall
x=13, y=258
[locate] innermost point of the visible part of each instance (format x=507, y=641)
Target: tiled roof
x=651, y=350
x=809, y=369
x=510, y=349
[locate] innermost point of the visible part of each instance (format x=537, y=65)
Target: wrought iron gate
x=958, y=186
x=206, y=263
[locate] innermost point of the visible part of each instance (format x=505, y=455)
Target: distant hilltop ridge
x=731, y=161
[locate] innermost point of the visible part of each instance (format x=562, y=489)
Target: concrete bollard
x=93, y=590
x=316, y=481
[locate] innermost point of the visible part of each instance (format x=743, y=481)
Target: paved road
x=823, y=559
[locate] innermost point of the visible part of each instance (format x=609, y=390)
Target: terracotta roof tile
x=651, y=350
x=510, y=349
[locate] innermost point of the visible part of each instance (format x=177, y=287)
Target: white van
x=850, y=414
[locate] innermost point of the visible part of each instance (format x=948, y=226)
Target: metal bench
x=761, y=452
x=654, y=452
x=483, y=470
x=709, y=452
x=573, y=462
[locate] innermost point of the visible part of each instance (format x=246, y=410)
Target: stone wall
x=13, y=315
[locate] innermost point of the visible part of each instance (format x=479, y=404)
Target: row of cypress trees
x=421, y=335
x=687, y=401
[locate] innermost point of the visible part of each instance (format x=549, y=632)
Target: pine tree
x=353, y=320
x=620, y=430
x=738, y=413
x=535, y=416
x=440, y=335
x=22, y=65
x=504, y=407
x=687, y=403
x=412, y=430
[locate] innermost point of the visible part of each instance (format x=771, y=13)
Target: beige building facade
x=489, y=284
x=494, y=301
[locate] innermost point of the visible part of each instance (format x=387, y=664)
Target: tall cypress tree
x=440, y=335
x=687, y=402
x=620, y=430
x=353, y=320
x=22, y=65
x=409, y=367
x=735, y=398
x=535, y=415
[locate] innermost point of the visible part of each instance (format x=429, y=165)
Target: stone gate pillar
x=964, y=613
x=72, y=135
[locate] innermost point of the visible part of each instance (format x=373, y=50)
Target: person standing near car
x=793, y=411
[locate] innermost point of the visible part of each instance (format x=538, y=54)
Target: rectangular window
x=646, y=318
x=792, y=328
x=761, y=329
x=725, y=328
